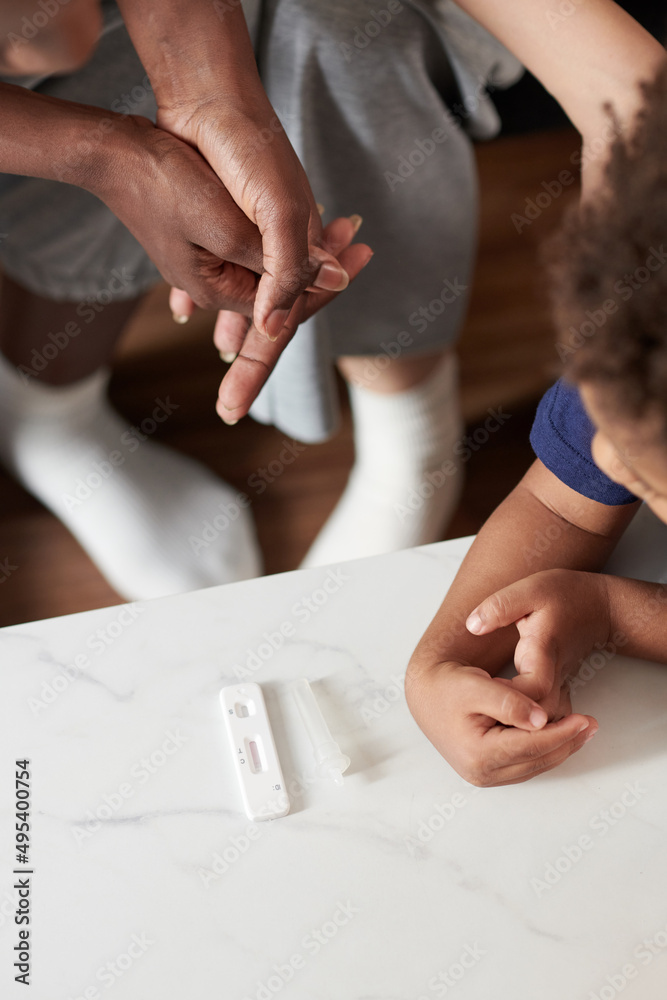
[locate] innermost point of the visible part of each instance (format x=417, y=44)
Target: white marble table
x=406, y=884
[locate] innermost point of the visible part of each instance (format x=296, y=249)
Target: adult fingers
x=224, y=285
x=290, y=266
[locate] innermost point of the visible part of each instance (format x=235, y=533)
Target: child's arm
x=593, y=55
x=597, y=53
x=542, y=525
x=544, y=606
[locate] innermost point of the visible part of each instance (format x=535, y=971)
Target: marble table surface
x=149, y=883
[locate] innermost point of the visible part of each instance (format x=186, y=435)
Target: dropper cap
x=330, y=761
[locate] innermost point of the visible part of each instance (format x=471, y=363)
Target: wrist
x=195, y=54
x=94, y=150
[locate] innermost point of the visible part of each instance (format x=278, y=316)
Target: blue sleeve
x=561, y=438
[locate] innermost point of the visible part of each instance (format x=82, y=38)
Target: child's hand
x=458, y=707
x=561, y=615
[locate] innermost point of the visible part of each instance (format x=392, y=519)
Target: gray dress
x=380, y=100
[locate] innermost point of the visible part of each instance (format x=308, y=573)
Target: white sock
x=155, y=522
x=406, y=480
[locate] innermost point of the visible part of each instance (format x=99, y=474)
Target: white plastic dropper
x=330, y=761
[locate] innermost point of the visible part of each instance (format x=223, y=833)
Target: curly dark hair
x=607, y=267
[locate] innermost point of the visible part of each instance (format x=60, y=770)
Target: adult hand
x=171, y=200
x=244, y=143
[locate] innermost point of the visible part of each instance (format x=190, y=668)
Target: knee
x=60, y=36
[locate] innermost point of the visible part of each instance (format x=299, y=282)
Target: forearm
x=54, y=139
x=193, y=51
x=523, y=536
x=638, y=612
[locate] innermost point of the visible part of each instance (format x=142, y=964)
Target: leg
x=398, y=376
x=154, y=521
x=139, y=509
x=58, y=342
x=368, y=115
x=407, y=477
x=38, y=41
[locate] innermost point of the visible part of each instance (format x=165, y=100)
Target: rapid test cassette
x=254, y=752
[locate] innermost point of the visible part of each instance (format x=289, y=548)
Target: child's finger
x=337, y=237
x=505, y=607
x=515, y=756
x=258, y=355
x=340, y=232
x=181, y=305
x=504, y=703
x=230, y=331
x=536, y=657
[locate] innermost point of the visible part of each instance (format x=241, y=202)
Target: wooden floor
x=507, y=357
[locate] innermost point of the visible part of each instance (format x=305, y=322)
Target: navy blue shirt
x=561, y=438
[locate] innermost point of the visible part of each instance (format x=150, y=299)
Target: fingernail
x=276, y=322
x=180, y=318
x=590, y=736
x=538, y=717
x=584, y=725
x=228, y=356
x=356, y=221
x=474, y=623
x=320, y=208
x=332, y=278
x=220, y=410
